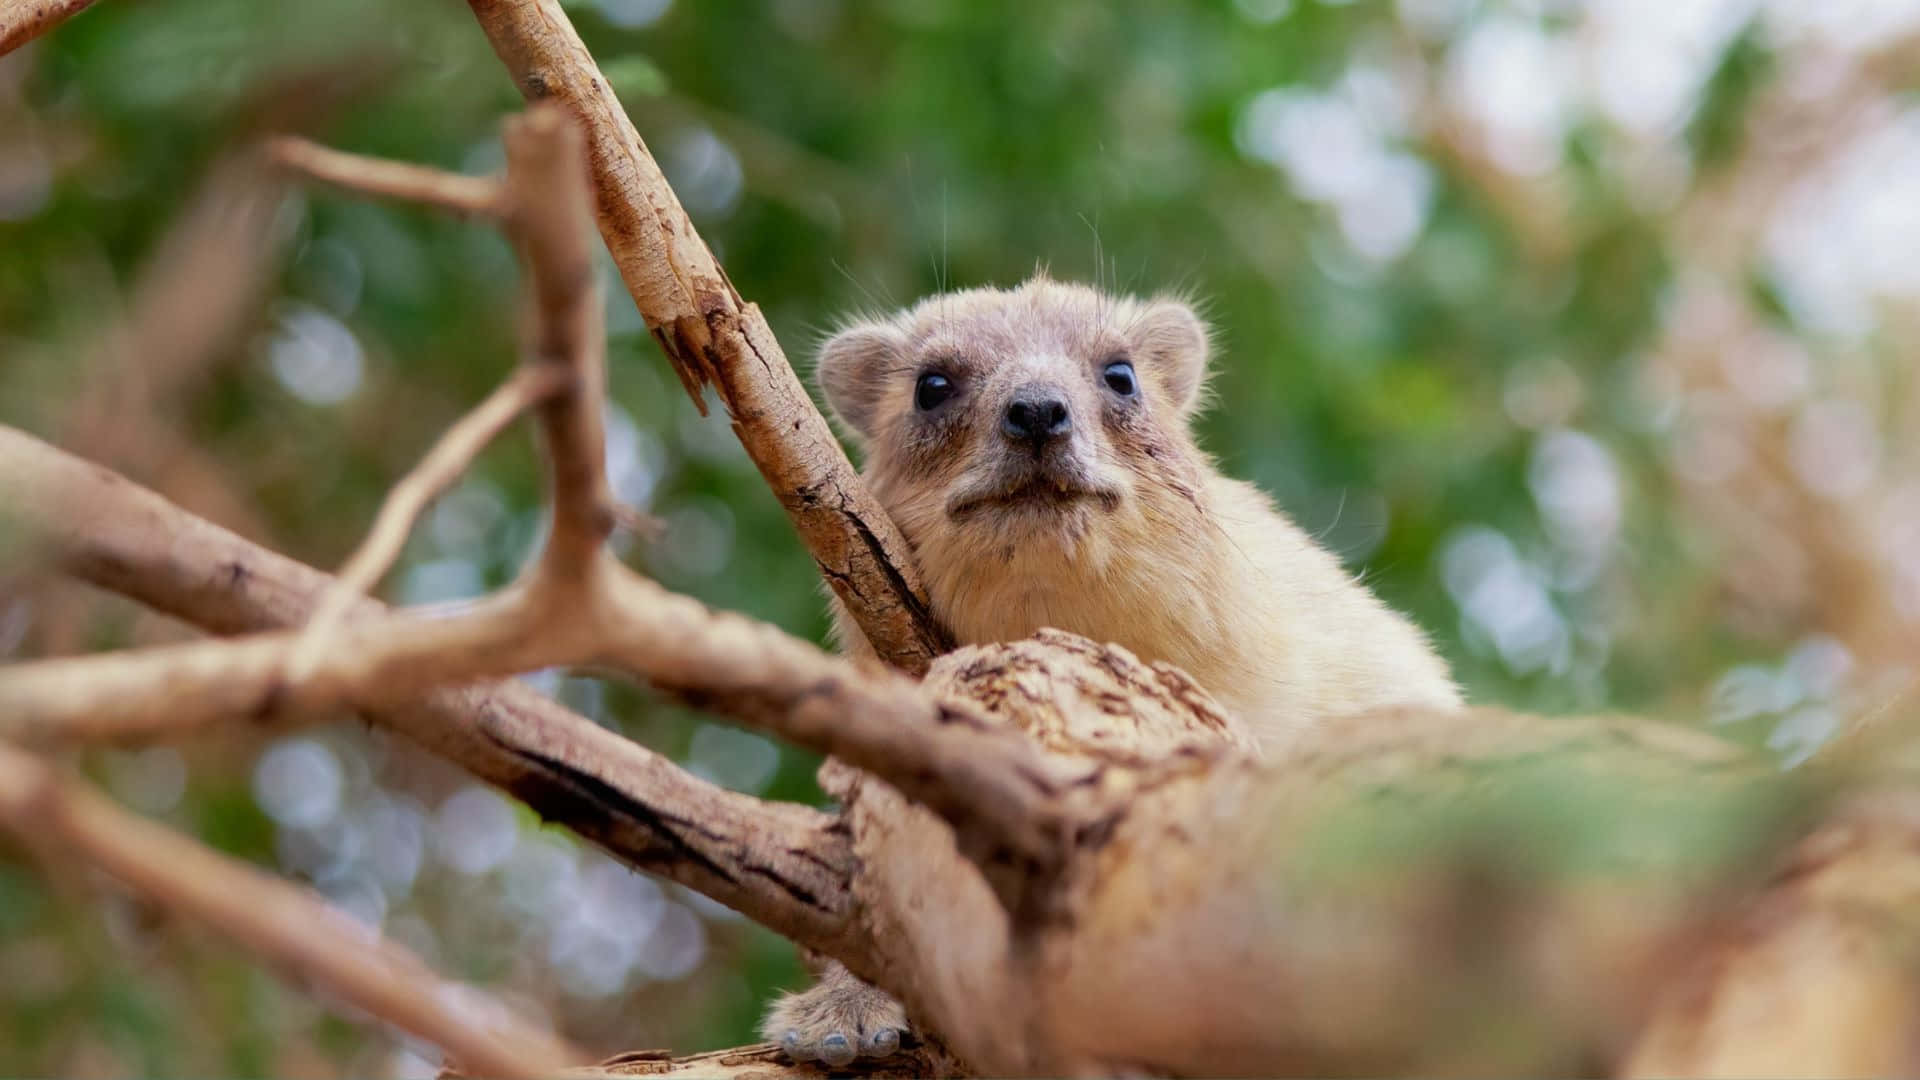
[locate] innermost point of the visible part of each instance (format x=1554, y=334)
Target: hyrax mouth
x=1035, y=494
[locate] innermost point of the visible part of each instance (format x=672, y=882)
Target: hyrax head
x=1013, y=413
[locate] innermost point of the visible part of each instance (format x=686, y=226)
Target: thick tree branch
x=287, y=926
x=467, y=196
x=716, y=339
x=1366, y=954
x=1311, y=897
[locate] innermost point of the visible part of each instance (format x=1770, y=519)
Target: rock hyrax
x=1033, y=444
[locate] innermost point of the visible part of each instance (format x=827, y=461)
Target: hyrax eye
x=1118, y=375
x=933, y=389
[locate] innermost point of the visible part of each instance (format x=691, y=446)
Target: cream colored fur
x=1174, y=561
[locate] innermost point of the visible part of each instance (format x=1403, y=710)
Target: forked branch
x=575, y=605
x=991, y=783
x=784, y=866
x=443, y=465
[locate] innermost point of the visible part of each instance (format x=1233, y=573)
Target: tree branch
x=23, y=20
x=467, y=196
x=784, y=866
x=1008, y=803
x=1367, y=962
x=716, y=339
x=287, y=926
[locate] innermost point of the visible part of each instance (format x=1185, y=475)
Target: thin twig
x=23, y=20
x=289, y=927
x=467, y=196
x=449, y=458
x=564, y=375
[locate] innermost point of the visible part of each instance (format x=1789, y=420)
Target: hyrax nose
x=1036, y=416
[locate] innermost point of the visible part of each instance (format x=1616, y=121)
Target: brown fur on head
x=1054, y=458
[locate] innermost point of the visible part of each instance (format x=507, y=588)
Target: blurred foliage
x=1481, y=374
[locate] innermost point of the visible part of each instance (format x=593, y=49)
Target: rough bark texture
x=716, y=339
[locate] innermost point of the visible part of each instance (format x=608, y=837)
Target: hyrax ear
x=856, y=367
x=1170, y=347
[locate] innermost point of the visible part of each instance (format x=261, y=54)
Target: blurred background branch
x=294, y=931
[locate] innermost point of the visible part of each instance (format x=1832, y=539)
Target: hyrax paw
x=836, y=1021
